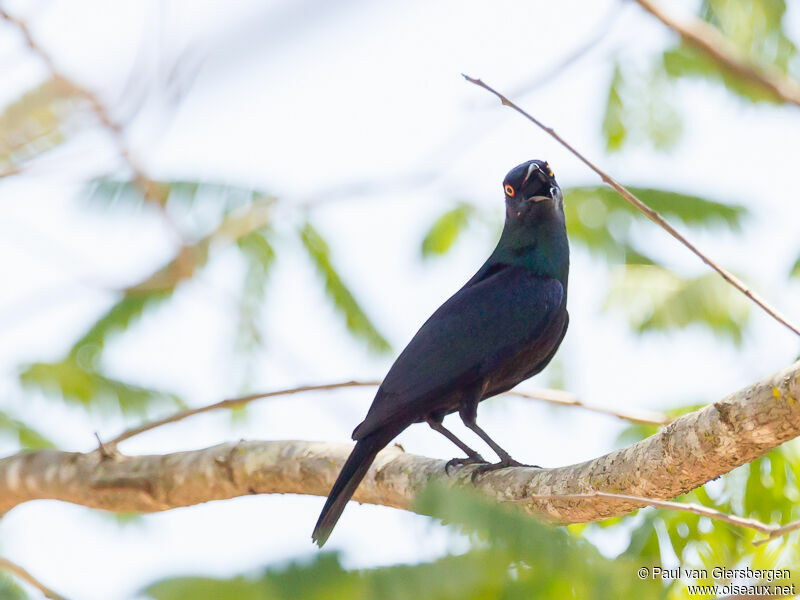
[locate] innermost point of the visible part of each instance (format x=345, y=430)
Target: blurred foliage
x=655, y=299
x=795, y=272
x=445, y=230
x=357, y=321
x=22, y=433
x=197, y=206
x=37, y=122
x=9, y=590
x=638, y=106
x=511, y=556
x=603, y=222
x=76, y=380
x=259, y=256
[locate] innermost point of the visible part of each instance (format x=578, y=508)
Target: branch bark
x=691, y=450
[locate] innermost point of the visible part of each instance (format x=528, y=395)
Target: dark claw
x=506, y=462
x=470, y=460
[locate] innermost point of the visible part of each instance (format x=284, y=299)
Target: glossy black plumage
x=503, y=326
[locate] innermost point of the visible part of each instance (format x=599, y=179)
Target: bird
x=503, y=326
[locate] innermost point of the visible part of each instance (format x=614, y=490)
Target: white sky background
x=302, y=98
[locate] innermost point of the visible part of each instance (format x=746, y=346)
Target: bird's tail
x=352, y=473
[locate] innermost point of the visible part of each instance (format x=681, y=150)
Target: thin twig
x=233, y=403
x=771, y=531
x=642, y=207
x=14, y=568
x=551, y=396
x=711, y=42
x=568, y=399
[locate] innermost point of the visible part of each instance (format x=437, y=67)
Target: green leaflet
x=259, y=256
x=685, y=61
x=79, y=382
x=445, y=230
x=179, y=194
x=614, y=130
x=37, y=122
x=639, y=109
x=27, y=436
x=356, y=320
x=599, y=219
x=795, y=272
x=9, y=590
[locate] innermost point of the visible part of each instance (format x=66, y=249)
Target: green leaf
x=756, y=28
x=37, y=122
x=357, y=321
x=259, y=256
x=178, y=194
x=690, y=210
x=445, y=230
x=599, y=219
x=614, y=129
x=795, y=272
x=206, y=588
x=9, y=590
x=26, y=435
x=638, y=108
x=685, y=61
x=657, y=300
x=78, y=382
x=136, y=299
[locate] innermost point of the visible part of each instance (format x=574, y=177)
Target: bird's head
x=531, y=190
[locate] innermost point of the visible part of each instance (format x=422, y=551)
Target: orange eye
x=509, y=191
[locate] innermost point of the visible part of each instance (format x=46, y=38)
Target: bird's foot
x=505, y=461
x=472, y=459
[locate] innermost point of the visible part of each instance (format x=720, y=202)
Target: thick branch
x=690, y=451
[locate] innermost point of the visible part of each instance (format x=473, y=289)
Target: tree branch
x=15, y=569
x=692, y=450
x=714, y=44
x=646, y=210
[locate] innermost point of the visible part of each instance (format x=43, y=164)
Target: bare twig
x=233, y=403
x=568, y=399
x=552, y=396
x=14, y=568
x=771, y=531
x=649, y=212
x=711, y=42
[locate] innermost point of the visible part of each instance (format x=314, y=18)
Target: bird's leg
x=468, y=411
x=472, y=457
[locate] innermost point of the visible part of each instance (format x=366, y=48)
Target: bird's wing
x=482, y=324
